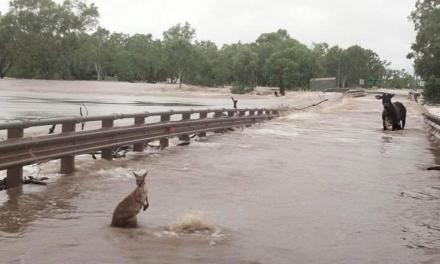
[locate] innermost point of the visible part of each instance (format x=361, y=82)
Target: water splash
x=193, y=222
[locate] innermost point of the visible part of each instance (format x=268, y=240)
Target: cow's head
x=386, y=99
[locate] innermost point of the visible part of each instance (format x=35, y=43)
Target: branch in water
x=313, y=105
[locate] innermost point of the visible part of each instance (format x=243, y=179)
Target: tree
x=45, y=35
x=244, y=65
x=7, y=44
x=398, y=79
x=356, y=63
x=426, y=49
x=265, y=46
x=319, y=51
x=206, y=55
x=331, y=63
x=179, y=50
x=292, y=67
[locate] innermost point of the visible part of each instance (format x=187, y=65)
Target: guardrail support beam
x=251, y=113
x=139, y=147
x=218, y=114
x=164, y=142
x=68, y=162
x=202, y=115
x=14, y=175
x=269, y=112
x=107, y=154
x=185, y=116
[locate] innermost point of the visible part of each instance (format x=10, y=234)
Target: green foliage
x=348, y=65
x=431, y=91
x=7, y=47
x=45, y=35
x=244, y=66
x=426, y=49
x=291, y=67
x=398, y=79
x=179, y=51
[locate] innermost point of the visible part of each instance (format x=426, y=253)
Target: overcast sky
x=380, y=25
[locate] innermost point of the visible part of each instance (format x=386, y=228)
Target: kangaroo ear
x=390, y=95
x=145, y=174
x=135, y=175
x=379, y=97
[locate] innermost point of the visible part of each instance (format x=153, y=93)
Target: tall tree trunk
x=180, y=76
x=344, y=80
x=98, y=69
x=4, y=68
x=282, y=90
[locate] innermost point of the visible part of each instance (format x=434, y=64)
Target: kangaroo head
x=140, y=179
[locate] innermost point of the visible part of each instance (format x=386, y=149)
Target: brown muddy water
x=320, y=186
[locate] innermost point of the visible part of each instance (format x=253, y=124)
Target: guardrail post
x=14, y=175
x=242, y=113
x=269, y=112
x=68, y=162
x=139, y=147
x=186, y=116
x=164, y=142
x=231, y=113
x=218, y=114
x=251, y=113
x=107, y=153
x=202, y=115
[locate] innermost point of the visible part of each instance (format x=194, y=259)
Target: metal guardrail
x=355, y=93
x=18, y=151
x=433, y=122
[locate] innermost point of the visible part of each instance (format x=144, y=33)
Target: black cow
x=392, y=113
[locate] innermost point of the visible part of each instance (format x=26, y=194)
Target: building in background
x=321, y=84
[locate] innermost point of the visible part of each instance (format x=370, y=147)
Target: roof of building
x=324, y=79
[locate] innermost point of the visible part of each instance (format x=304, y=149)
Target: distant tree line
x=46, y=40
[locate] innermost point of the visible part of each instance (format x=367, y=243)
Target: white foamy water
x=193, y=222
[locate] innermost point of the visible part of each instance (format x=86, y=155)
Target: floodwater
x=320, y=186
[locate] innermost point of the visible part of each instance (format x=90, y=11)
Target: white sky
x=380, y=25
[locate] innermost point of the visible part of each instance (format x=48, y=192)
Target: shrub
x=431, y=92
x=241, y=88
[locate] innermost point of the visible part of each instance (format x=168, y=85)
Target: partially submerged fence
x=18, y=150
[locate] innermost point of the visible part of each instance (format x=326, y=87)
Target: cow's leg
x=403, y=119
x=384, y=120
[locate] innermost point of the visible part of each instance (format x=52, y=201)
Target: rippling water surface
x=320, y=186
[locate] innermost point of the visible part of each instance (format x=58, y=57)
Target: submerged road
x=319, y=186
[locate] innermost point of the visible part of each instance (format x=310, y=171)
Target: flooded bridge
x=325, y=185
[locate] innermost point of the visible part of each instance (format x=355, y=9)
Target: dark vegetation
x=426, y=49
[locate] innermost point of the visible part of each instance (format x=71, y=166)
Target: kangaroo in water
x=125, y=214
